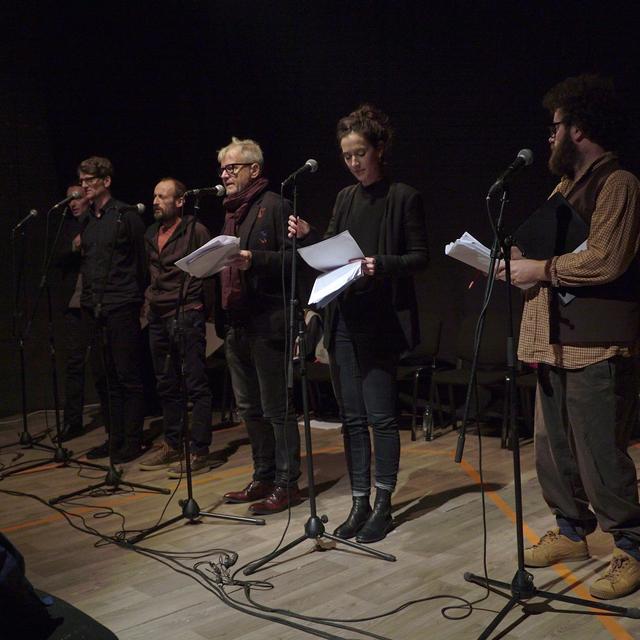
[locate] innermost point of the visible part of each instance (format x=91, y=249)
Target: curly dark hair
x=368, y=121
x=590, y=102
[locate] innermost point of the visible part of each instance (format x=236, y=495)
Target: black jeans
x=116, y=363
x=257, y=367
x=77, y=345
x=166, y=363
x=363, y=372
x=584, y=419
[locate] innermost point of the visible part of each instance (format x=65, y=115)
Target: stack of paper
x=211, y=257
x=472, y=252
x=340, y=260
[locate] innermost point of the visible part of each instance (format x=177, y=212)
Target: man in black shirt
x=113, y=281
x=69, y=286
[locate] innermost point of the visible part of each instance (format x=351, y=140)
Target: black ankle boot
x=358, y=515
x=379, y=522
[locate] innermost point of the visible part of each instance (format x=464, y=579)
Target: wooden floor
x=438, y=537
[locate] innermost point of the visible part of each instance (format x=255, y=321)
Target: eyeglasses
x=233, y=169
x=89, y=180
x=553, y=128
x=359, y=153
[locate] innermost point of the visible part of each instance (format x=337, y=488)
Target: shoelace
x=547, y=538
x=616, y=567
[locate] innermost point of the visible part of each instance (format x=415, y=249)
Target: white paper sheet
x=472, y=252
x=335, y=256
x=332, y=253
x=210, y=257
x=330, y=285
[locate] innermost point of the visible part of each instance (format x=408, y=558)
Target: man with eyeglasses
x=252, y=318
x=587, y=393
x=113, y=280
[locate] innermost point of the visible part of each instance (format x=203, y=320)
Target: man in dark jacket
x=170, y=238
x=252, y=320
x=69, y=287
x=113, y=281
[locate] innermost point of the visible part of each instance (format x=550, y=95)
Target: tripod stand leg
x=513, y=601
x=354, y=545
x=162, y=525
x=224, y=516
x=628, y=612
x=252, y=567
x=79, y=492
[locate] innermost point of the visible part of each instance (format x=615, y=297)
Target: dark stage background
x=159, y=87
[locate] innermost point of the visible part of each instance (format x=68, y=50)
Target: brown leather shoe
x=255, y=490
x=278, y=500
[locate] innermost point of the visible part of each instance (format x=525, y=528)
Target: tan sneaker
x=554, y=547
x=621, y=578
x=199, y=464
x=162, y=457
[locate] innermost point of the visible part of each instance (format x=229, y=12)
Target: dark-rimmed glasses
x=89, y=180
x=232, y=169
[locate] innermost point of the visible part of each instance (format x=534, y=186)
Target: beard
x=564, y=158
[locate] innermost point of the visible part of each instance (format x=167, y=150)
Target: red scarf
x=237, y=206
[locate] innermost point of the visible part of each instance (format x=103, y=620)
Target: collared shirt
x=113, y=274
x=614, y=240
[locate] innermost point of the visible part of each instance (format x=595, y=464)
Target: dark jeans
x=166, y=363
x=363, y=372
x=257, y=367
x=584, y=419
x=116, y=361
x=77, y=345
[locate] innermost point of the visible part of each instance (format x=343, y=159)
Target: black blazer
x=402, y=251
x=261, y=232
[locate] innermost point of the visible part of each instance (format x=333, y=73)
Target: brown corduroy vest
x=601, y=314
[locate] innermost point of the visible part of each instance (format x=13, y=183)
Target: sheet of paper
x=566, y=298
x=210, y=257
x=331, y=253
x=330, y=285
x=472, y=252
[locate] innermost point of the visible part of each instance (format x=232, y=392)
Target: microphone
x=523, y=159
x=137, y=208
x=218, y=190
x=75, y=195
x=32, y=214
x=310, y=165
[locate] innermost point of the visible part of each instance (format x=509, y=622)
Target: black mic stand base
x=192, y=514
x=60, y=456
x=113, y=481
x=314, y=530
x=523, y=588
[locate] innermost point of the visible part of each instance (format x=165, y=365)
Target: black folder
x=555, y=228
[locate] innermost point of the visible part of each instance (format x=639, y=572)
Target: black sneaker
x=101, y=451
x=128, y=453
x=70, y=431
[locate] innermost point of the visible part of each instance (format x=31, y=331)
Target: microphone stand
x=176, y=357
x=61, y=455
x=25, y=440
x=314, y=528
x=521, y=587
x=113, y=480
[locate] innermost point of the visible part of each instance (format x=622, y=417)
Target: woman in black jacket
x=371, y=323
